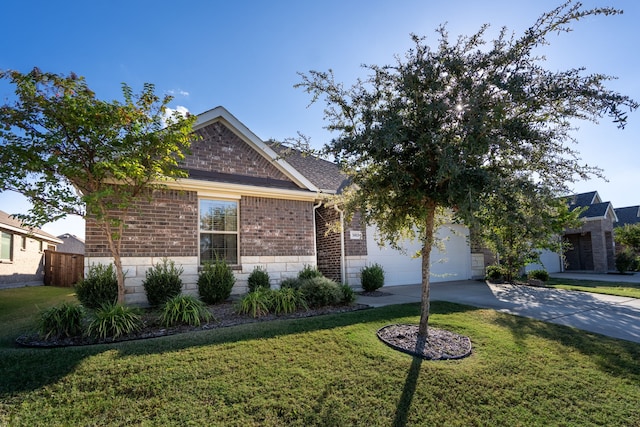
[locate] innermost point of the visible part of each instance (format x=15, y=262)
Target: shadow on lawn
x=26, y=369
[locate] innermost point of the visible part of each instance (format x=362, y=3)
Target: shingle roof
x=322, y=173
x=628, y=215
x=581, y=200
x=16, y=225
x=596, y=210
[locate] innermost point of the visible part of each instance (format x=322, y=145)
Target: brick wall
x=221, y=150
x=355, y=237
x=328, y=243
x=27, y=264
x=165, y=226
x=275, y=227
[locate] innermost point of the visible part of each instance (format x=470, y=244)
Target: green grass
x=623, y=289
x=328, y=370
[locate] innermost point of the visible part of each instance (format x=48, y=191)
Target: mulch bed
x=374, y=294
x=224, y=315
x=440, y=344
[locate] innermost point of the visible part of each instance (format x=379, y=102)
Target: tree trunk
x=427, y=244
x=114, y=247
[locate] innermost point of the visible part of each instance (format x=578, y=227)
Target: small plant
x=541, y=275
x=256, y=304
x=625, y=261
x=372, y=277
x=215, y=282
x=99, y=287
x=258, y=278
x=184, y=309
x=291, y=282
x=61, y=321
x=495, y=273
x=321, y=291
x=286, y=300
x=348, y=294
x=309, y=272
x=162, y=282
x=113, y=321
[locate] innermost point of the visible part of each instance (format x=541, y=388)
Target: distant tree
x=71, y=153
x=629, y=236
x=519, y=221
x=445, y=127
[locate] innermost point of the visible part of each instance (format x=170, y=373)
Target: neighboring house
x=22, y=251
x=592, y=245
x=71, y=244
x=254, y=204
x=629, y=215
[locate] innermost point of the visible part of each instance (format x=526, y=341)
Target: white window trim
x=236, y=233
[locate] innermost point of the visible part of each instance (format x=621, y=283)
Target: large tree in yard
x=71, y=153
x=446, y=127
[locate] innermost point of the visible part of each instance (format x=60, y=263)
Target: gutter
x=343, y=265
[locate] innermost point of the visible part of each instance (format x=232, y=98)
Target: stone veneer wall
x=602, y=247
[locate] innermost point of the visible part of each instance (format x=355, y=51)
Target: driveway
x=617, y=317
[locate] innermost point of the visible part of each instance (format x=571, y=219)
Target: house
x=22, y=251
x=629, y=215
x=71, y=244
x=252, y=204
x=592, y=245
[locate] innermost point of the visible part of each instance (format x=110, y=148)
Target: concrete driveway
x=617, y=317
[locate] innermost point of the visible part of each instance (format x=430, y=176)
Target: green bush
x=257, y=303
x=258, y=278
x=286, y=300
x=321, y=291
x=348, y=294
x=372, y=277
x=495, y=273
x=215, y=282
x=162, y=282
x=113, y=321
x=61, y=321
x=99, y=287
x=625, y=261
x=309, y=272
x=184, y=309
x=291, y=282
x=541, y=275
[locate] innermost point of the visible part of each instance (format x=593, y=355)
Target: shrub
x=99, y=287
x=625, y=261
x=184, y=309
x=61, y=321
x=372, y=277
x=291, y=282
x=113, y=321
x=215, y=282
x=162, y=282
x=309, y=272
x=541, y=275
x=321, y=291
x=255, y=303
x=258, y=278
x=286, y=300
x=348, y=295
x=495, y=273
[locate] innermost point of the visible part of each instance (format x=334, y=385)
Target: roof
x=628, y=215
x=595, y=207
x=10, y=223
x=322, y=173
x=71, y=244
x=583, y=199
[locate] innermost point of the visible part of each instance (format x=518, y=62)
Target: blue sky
x=245, y=55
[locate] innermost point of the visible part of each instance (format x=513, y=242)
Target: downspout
x=343, y=265
x=315, y=231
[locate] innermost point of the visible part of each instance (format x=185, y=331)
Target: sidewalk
x=617, y=317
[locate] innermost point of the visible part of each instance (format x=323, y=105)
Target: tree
x=520, y=221
x=629, y=236
x=445, y=127
x=70, y=153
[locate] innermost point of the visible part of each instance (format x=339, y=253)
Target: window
x=41, y=246
x=6, y=246
x=218, y=231
x=23, y=243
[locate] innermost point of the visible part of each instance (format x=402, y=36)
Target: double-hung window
x=6, y=246
x=218, y=231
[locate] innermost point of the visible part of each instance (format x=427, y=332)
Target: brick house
x=247, y=202
x=592, y=245
x=22, y=251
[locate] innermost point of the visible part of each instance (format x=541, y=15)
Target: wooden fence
x=62, y=269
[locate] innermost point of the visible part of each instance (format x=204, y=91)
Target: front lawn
x=623, y=289
x=329, y=370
